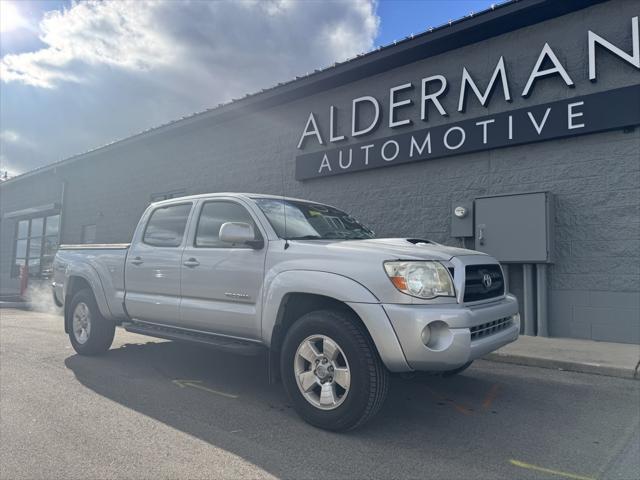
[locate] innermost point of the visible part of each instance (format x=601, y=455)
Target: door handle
x=192, y=262
x=137, y=261
x=481, y=234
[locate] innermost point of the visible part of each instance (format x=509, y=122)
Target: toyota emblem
x=487, y=281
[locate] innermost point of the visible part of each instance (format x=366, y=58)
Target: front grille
x=486, y=329
x=478, y=287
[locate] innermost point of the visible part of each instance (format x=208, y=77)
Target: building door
x=221, y=282
x=35, y=246
x=152, y=272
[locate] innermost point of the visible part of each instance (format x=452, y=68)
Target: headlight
x=421, y=279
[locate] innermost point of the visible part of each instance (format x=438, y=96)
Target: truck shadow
x=425, y=418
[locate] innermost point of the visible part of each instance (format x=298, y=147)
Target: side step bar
x=219, y=342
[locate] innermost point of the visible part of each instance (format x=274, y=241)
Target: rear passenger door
x=221, y=282
x=152, y=270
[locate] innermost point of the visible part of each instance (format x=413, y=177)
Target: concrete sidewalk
x=587, y=356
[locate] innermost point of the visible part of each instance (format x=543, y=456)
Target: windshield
x=310, y=221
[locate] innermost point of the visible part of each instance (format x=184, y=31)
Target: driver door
x=221, y=282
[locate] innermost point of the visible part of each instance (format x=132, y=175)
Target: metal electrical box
x=515, y=228
x=462, y=219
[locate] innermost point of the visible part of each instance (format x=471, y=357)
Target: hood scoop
x=418, y=241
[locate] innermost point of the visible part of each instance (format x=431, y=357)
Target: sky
x=75, y=75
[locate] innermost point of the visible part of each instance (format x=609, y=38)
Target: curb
x=630, y=373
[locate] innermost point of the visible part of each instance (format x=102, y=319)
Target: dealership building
x=514, y=131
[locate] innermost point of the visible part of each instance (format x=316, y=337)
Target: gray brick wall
x=595, y=280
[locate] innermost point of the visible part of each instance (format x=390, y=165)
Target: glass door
x=36, y=244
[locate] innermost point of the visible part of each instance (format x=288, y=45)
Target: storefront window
x=37, y=225
x=23, y=228
x=36, y=245
x=35, y=252
x=22, y=242
x=21, y=248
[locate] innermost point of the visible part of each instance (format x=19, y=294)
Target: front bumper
x=450, y=343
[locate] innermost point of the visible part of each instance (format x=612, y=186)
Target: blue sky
x=77, y=75
x=400, y=18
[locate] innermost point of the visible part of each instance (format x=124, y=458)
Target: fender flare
x=90, y=275
x=340, y=288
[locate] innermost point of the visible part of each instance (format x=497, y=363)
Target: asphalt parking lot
x=158, y=409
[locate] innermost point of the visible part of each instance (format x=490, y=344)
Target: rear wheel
x=90, y=333
x=331, y=370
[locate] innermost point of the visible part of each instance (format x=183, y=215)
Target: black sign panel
x=598, y=112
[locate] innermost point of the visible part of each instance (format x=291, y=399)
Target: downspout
x=541, y=299
x=529, y=308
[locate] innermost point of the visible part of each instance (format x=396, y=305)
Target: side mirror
x=239, y=232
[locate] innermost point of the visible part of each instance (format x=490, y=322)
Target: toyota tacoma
x=336, y=309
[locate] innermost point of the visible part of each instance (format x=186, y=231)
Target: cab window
x=166, y=226
x=213, y=215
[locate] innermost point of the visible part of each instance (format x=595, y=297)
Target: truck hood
x=362, y=260
x=401, y=248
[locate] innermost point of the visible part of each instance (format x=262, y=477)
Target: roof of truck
x=246, y=196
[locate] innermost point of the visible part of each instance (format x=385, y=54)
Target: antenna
x=284, y=211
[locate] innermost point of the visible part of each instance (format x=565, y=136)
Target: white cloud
x=110, y=69
x=10, y=18
x=119, y=33
x=9, y=136
x=139, y=35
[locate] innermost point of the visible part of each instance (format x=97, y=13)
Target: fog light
x=516, y=319
x=438, y=336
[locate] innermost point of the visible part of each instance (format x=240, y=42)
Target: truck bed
x=101, y=264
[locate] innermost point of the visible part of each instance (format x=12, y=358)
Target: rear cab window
x=166, y=225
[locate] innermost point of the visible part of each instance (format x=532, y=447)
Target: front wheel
x=90, y=333
x=331, y=370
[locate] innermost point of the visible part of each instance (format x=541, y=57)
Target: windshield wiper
x=305, y=237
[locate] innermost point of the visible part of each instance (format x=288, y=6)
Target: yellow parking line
x=196, y=384
x=528, y=466
x=491, y=396
x=460, y=408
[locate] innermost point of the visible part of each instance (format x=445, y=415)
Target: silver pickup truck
x=334, y=308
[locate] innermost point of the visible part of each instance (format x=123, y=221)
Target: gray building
x=532, y=96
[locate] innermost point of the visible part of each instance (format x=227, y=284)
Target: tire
x=456, y=371
x=368, y=379
x=90, y=333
